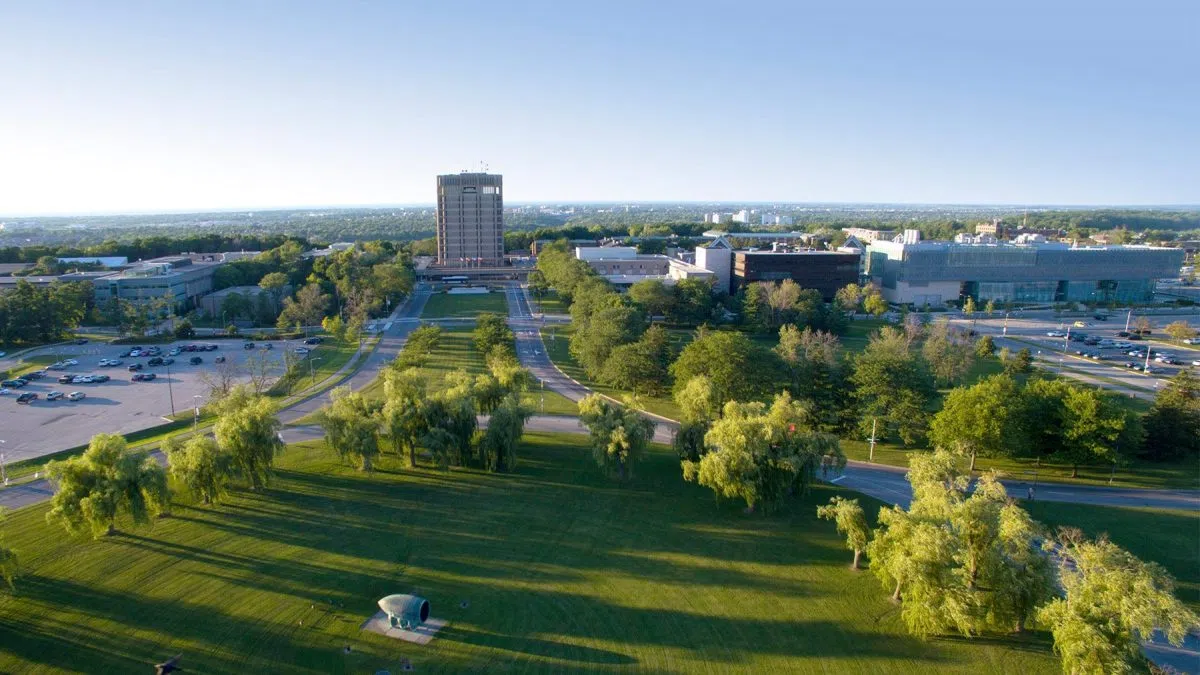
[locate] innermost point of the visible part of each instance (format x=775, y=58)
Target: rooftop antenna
x=483, y=167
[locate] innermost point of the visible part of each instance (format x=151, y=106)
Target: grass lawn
x=550, y=304
x=1166, y=536
x=326, y=359
x=1140, y=474
x=445, y=305
x=456, y=351
x=558, y=568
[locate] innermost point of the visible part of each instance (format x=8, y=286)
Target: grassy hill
x=560, y=568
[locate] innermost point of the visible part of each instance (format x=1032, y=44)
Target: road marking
x=842, y=477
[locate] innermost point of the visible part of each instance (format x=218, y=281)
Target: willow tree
x=351, y=427
x=498, y=443
x=248, y=430
x=201, y=465
x=104, y=483
x=850, y=521
x=619, y=435
x=402, y=418
x=1113, y=602
x=759, y=454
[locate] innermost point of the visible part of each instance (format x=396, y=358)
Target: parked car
x=248, y=345
x=1100, y=317
x=134, y=367
x=168, y=361
x=81, y=341
x=3, y=354
x=100, y=378
x=268, y=346
x=175, y=351
x=4, y=391
x=302, y=350
x=211, y=348
x=71, y=362
x=27, y=398
x=54, y=396
x=1081, y=324
x=1055, y=334
x=142, y=377
x=156, y=361
x=65, y=379
x=195, y=360
x=1123, y=333
x=1196, y=362
x=15, y=383
x=1130, y=364
x=76, y=396
x=220, y=359
x=137, y=353
x=1134, y=336
x=1186, y=341
x=315, y=340
x=1169, y=361
x=34, y=375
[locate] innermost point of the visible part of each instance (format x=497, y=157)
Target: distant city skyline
x=228, y=106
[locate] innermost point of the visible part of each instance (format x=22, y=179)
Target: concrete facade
x=180, y=278
x=470, y=219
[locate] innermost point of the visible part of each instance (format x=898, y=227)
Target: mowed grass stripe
x=564, y=570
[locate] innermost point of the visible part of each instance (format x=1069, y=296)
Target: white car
x=76, y=396
x=104, y=363
x=302, y=350
x=54, y=396
x=1194, y=363
x=1056, y=334
x=5, y=391
x=71, y=362
x=1188, y=341
x=135, y=353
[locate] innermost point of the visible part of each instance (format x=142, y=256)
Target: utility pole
x=170, y=390
x=871, y=454
x=1128, y=318
x=1005, y=332
x=3, y=471
x=1146, y=368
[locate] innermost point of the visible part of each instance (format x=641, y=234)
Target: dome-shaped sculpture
x=405, y=611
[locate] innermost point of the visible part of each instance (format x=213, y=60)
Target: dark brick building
x=825, y=271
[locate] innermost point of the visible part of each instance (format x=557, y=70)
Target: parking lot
x=1045, y=335
x=121, y=405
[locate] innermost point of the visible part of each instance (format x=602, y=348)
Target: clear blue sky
x=144, y=106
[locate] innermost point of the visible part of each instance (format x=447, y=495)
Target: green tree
x=403, y=418
x=1173, y=423
x=9, y=562
x=756, y=314
x=419, y=347
x=335, y=327
x=595, y=339
x=851, y=522
x=1180, y=330
x=306, y=309
x=948, y=353
x=653, y=296
x=758, y=454
x=1092, y=424
x=873, y=302
x=985, y=347
x=737, y=369
x=985, y=419
x=490, y=331
x=201, y=465
x=969, y=307
x=107, y=481
x=235, y=305
x=351, y=426
x=642, y=366
x=1021, y=363
x=892, y=385
x=849, y=297
x=184, y=330
x=699, y=408
x=498, y=443
x=813, y=359
x=273, y=284
x=1113, y=602
x=248, y=430
x=619, y=435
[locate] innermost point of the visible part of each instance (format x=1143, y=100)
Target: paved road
x=888, y=484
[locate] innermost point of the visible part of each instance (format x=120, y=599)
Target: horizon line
x=748, y=203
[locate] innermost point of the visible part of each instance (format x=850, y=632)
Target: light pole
x=312, y=375
x=1005, y=332
x=196, y=417
x=170, y=390
x=3, y=471
x=1128, y=318
x=871, y=454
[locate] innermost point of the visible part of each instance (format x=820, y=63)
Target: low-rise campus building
x=910, y=271
x=624, y=266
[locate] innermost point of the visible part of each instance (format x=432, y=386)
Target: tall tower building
x=470, y=219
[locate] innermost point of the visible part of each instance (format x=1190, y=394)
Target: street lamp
x=196, y=417
x=3, y=471
x=170, y=389
x=312, y=376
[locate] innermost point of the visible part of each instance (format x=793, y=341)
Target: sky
x=124, y=106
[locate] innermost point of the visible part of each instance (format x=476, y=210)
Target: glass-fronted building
x=936, y=272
